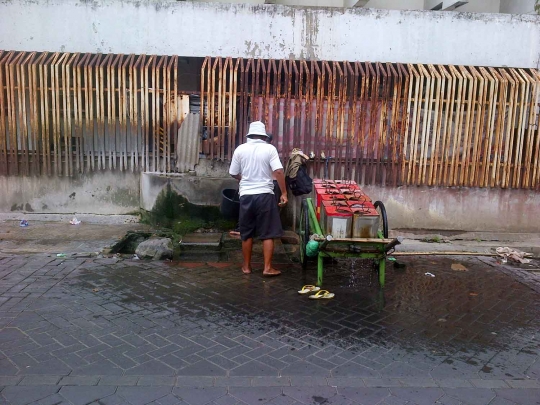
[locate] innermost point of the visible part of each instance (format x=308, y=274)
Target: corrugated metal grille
x=390, y=124
x=62, y=113
x=382, y=123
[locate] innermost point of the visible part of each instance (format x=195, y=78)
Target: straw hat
x=257, y=128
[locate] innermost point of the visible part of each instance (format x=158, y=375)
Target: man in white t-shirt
x=255, y=164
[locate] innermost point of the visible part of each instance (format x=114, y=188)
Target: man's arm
x=279, y=175
x=234, y=169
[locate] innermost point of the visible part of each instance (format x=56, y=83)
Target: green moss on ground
x=176, y=214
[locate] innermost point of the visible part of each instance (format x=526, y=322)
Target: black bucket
x=230, y=204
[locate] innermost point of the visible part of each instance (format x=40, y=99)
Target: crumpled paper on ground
x=513, y=254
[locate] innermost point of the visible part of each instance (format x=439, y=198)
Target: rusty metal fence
x=391, y=124
x=382, y=123
x=62, y=113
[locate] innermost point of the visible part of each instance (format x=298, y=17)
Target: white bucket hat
x=257, y=128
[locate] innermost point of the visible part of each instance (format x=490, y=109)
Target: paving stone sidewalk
x=113, y=331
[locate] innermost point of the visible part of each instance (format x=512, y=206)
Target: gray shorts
x=259, y=216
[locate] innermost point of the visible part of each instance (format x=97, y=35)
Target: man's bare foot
x=271, y=273
x=246, y=270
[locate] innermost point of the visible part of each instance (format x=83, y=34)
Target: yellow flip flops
x=308, y=289
x=322, y=295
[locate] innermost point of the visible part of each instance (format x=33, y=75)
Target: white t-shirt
x=256, y=161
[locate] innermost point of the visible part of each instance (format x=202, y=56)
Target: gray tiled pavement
x=110, y=331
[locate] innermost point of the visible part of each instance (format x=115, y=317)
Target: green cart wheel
x=383, y=223
x=304, y=233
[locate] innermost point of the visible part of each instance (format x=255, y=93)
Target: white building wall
x=517, y=6
x=270, y=31
x=396, y=5
x=481, y=6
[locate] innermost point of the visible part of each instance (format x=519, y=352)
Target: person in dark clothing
x=254, y=164
x=277, y=193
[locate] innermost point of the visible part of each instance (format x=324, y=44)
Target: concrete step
x=201, y=242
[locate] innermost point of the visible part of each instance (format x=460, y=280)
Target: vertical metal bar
x=470, y=97
x=499, y=128
x=414, y=101
x=12, y=114
x=510, y=112
x=211, y=109
x=403, y=122
x=203, y=117
x=69, y=89
x=525, y=171
x=3, y=133
x=23, y=135
x=456, y=136
x=78, y=113
x=535, y=126
x=45, y=126
x=34, y=117
x=516, y=178
x=361, y=134
x=56, y=110
x=173, y=77
x=232, y=108
x=154, y=127
x=479, y=112
x=426, y=124
x=222, y=108
x=490, y=123
x=438, y=93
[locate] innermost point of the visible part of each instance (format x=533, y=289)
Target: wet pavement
x=61, y=237
x=115, y=331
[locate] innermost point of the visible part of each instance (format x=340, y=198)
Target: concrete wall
x=269, y=31
x=92, y=193
x=407, y=207
x=460, y=209
x=197, y=190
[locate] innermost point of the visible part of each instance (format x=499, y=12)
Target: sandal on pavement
x=308, y=288
x=322, y=295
